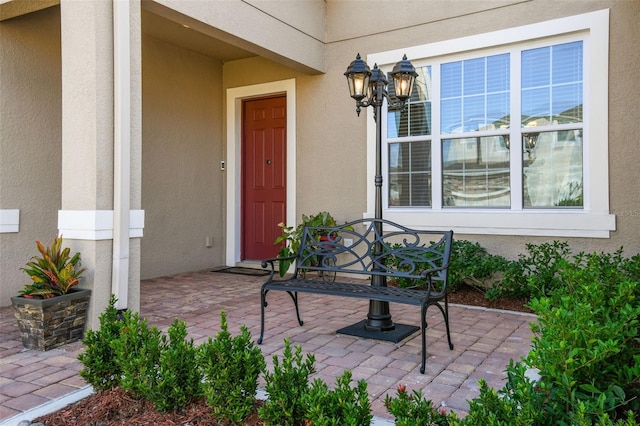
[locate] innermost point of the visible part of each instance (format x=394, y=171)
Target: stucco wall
x=182, y=185
x=331, y=148
x=30, y=138
x=442, y=20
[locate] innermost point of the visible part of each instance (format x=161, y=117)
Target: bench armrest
x=270, y=263
x=428, y=273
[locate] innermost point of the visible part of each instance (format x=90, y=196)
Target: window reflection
x=552, y=84
x=475, y=94
x=475, y=172
x=552, y=174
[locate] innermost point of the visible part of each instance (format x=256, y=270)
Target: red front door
x=264, y=178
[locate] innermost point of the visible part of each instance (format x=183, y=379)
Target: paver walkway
x=485, y=341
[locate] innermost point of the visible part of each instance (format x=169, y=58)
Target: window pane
x=498, y=74
x=567, y=63
x=535, y=68
x=410, y=174
x=552, y=84
x=415, y=118
x=475, y=94
x=473, y=119
x=419, y=119
x=567, y=104
x=535, y=105
x=451, y=80
x=498, y=111
x=451, y=111
x=474, y=79
x=420, y=157
x=552, y=175
x=475, y=172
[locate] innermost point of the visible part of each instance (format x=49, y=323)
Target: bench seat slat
x=363, y=291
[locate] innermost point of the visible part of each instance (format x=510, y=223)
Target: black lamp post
x=369, y=88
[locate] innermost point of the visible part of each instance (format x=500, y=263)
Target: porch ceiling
x=176, y=33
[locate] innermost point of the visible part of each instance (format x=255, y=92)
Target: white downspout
x=122, y=151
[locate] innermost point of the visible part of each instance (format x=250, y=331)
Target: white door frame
x=235, y=96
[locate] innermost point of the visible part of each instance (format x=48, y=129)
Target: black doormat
x=243, y=271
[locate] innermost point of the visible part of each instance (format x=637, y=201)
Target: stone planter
x=48, y=323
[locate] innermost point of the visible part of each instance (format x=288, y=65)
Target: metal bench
x=361, y=248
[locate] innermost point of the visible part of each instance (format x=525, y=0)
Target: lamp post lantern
x=369, y=88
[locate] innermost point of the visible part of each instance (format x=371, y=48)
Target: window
x=496, y=136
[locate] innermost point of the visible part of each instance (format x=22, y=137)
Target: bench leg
x=263, y=303
x=445, y=314
x=446, y=320
x=294, y=297
x=423, y=327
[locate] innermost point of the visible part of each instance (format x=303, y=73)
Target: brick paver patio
x=485, y=341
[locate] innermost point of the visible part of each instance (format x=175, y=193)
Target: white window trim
x=594, y=220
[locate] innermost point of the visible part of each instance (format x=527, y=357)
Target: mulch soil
x=468, y=295
x=116, y=407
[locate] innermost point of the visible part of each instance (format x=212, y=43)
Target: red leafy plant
x=53, y=273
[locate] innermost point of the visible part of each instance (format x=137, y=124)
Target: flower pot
x=48, y=323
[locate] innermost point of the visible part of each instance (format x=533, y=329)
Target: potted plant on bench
x=290, y=238
x=50, y=310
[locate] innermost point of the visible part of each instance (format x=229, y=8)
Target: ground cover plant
x=586, y=350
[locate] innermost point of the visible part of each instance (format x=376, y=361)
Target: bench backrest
x=376, y=247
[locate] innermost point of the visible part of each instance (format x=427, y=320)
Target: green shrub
x=286, y=387
x=414, y=410
x=535, y=273
x=472, y=264
x=538, y=272
x=137, y=354
x=178, y=380
x=160, y=370
x=587, y=340
x=230, y=369
x=101, y=369
x=342, y=406
x=586, y=349
x=517, y=403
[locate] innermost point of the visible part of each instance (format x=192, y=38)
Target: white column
x=87, y=136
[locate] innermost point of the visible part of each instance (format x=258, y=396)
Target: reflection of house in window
x=552, y=173
x=475, y=172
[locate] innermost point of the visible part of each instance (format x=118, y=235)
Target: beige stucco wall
x=30, y=138
x=331, y=139
x=182, y=148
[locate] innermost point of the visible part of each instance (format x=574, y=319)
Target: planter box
x=48, y=323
